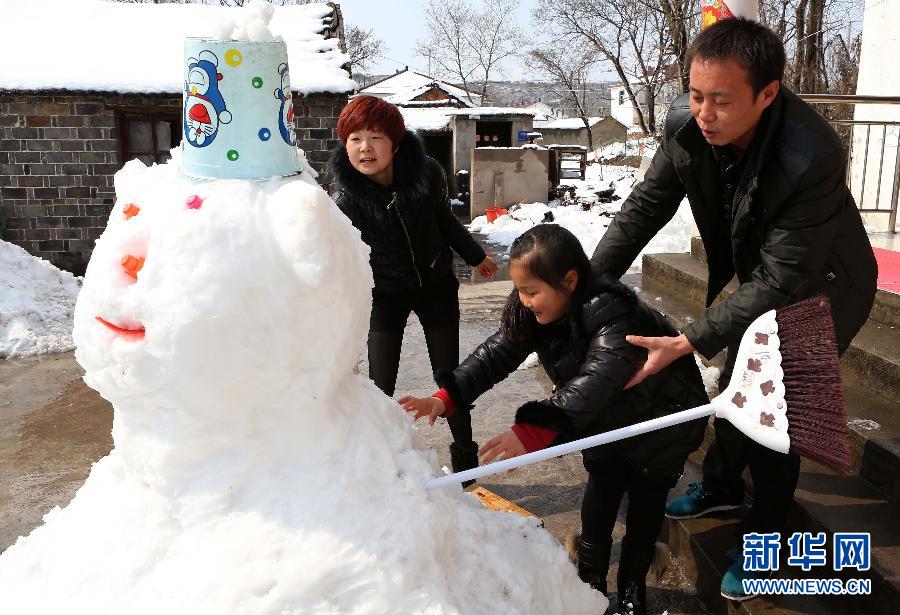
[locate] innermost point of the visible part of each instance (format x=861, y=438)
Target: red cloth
x=444, y=396
x=534, y=438
x=888, y=269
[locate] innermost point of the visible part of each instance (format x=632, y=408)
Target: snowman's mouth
x=136, y=332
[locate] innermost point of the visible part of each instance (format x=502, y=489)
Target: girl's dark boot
x=464, y=457
x=631, y=581
x=593, y=563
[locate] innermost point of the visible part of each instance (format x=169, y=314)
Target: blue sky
x=400, y=24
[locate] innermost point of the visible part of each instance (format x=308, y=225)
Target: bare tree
x=569, y=77
x=362, y=47
x=682, y=19
x=631, y=38
x=468, y=45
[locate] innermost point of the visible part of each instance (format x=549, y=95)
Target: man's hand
x=661, y=351
x=487, y=267
x=506, y=444
x=432, y=407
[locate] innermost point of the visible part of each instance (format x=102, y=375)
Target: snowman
x=253, y=472
x=204, y=106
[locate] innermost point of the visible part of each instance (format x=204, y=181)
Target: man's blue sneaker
x=732, y=582
x=699, y=501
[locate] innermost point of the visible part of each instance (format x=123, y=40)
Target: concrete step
x=885, y=310
x=701, y=546
x=874, y=353
x=873, y=418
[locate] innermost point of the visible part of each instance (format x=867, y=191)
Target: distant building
x=411, y=89
x=113, y=93
x=572, y=131
x=622, y=109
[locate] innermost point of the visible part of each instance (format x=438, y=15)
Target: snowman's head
x=249, y=294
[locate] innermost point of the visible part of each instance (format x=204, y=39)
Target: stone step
x=873, y=418
x=864, y=501
x=874, y=353
x=822, y=503
x=885, y=310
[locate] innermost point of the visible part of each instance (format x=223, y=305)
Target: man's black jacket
x=408, y=226
x=589, y=361
x=795, y=229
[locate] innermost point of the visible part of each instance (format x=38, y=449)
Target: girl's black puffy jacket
x=589, y=361
x=408, y=226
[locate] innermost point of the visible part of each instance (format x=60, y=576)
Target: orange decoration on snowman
x=132, y=264
x=131, y=210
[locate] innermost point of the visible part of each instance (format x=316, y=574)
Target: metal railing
x=864, y=147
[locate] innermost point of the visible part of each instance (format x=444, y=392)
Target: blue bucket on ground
x=237, y=115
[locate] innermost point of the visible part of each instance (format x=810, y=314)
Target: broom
x=785, y=393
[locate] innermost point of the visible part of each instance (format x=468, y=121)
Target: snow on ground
x=588, y=226
x=36, y=304
x=253, y=472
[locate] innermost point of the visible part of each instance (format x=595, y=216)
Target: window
x=621, y=97
x=149, y=136
x=493, y=134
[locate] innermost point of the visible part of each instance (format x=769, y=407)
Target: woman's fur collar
x=410, y=177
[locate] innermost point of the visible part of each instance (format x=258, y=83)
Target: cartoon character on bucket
x=286, y=112
x=204, y=106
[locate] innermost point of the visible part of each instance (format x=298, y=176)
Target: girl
x=397, y=197
x=579, y=326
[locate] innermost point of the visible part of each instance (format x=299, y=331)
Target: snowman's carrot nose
x=132, y=264
x=131, y=210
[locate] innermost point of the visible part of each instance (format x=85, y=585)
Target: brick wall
x=59, y=152
x=316, y=124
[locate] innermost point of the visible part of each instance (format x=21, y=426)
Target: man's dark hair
x=750, y=44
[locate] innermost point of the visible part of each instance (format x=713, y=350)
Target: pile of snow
x=36, y=304
x=253, y=472
x=251, y=23
x=589, y=226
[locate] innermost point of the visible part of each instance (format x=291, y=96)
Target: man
x=765, y=177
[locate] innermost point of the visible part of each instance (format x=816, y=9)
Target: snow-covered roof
x=426, y=119
x=569, y=123
x=408, y=97
x=408, y=84
x=438, y=118
x=483, y=111
x=89, y=45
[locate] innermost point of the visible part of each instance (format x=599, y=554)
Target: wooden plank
x=492, y=501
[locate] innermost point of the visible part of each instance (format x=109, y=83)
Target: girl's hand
x=506, y=444
x=432, y=407
x=487, y=267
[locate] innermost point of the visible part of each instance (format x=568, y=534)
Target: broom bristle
x=817, y=419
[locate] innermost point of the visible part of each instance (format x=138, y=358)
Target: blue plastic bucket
x=237, y=114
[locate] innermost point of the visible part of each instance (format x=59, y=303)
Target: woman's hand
x=506, y=444
x=487, y=267
x=432, y=407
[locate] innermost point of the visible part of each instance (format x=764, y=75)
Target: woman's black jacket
x=408, y=226
x=589, y=361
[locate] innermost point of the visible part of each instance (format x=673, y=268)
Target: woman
x=397, y=197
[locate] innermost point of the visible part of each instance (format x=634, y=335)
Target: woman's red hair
x=369, y=112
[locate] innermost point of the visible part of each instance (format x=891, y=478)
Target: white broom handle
x=570, y=447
